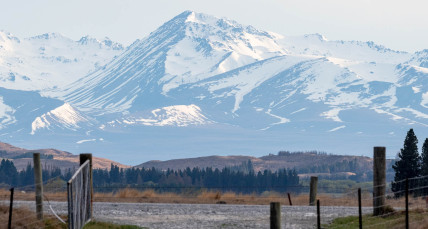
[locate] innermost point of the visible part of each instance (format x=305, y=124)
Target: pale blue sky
x=397, y=24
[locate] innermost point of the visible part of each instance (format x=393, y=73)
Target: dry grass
x=212, y=197
x=25, y=218
x=20, y=195
x=396, y=220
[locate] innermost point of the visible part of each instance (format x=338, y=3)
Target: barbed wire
x=415, y=202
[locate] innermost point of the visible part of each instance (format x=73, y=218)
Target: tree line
x=226, y=179
x=340, y=166
x=411, y=164
x=240, y=178
x=9, y=175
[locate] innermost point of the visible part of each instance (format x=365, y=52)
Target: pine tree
x=424, y=169
x=408, y=164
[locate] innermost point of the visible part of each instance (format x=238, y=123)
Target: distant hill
x=201, y=162
x=49, y=158
x=306, y=163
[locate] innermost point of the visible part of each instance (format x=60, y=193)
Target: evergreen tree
x=424, y=169
x=8, y=173
x=424, y=166
x=408, y=164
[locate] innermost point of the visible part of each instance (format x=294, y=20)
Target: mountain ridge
x=283, y=160
x=60, y=159
x=230, y=77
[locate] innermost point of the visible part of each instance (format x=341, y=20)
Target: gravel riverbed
x=205, y=215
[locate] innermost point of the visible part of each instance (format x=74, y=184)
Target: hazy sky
x=397, y=24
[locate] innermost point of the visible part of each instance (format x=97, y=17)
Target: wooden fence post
x=360, y=212
x=9, y=225
x=407, y=203
x=379, y=180
x=318, y=215
x=275, y=215
x=289, y=199
x=39, y=185
x=313, y=191
x=83, y=158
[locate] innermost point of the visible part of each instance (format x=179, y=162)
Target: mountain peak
x=200, y=18
x=316, y=36
x=4, y=36
x=48, y=36
x=200, y=24
x=86, y=40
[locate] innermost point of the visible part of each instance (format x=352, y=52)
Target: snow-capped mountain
x=188, y=49
x=63, y=117
x=50, y=60
x=180, y=115
x=201, y=77
x=19, y=108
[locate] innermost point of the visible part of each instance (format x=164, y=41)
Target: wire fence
x=192, y=206
x=79, y=197
x=24, y=206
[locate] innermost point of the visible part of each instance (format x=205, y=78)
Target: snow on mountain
x=179, y=115
x=6, y=114
x=219, y=63
x=64, y=117
x=189, y=48
x=18, y=109
x=318, y=45
x=213, y=46
x=234, y=76
x=50, y=60
x=103, y=44
x=420, y=59
x=242, y=81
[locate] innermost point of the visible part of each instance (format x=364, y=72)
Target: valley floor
x=204, y=215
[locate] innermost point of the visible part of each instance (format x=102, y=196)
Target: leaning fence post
x=39, y=185
x=9, y=225
x=407, y=203
x=360, y=212
x=83, y=158
x=318, y=215
x=275, y=215
x=379, y=182
x=289, y=199
x=313, y=191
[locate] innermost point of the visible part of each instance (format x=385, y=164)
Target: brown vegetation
x=212, y=197
x=26, y=219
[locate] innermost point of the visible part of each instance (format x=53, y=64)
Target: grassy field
x=418, y=219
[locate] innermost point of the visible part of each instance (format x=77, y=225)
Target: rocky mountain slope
x=201, y=85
